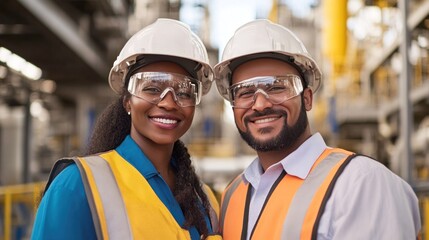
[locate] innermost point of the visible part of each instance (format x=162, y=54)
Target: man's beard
x=285, y=139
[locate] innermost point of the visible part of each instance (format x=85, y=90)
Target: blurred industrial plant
x=55, y=56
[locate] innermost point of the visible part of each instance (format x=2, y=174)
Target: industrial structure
x=55, y=56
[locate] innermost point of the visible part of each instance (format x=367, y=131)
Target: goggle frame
x=161, y=84
x=291, y=83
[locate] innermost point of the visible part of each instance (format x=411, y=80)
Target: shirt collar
x=298, y=163
x=131, y=152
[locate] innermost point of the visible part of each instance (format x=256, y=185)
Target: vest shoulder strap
x=108, y=209
x=58, y=167
x=227, y=197
x=350, y=156
x=310, y=199
x=103, y=194
x=214, y=207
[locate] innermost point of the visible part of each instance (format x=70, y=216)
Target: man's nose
x=261, y=100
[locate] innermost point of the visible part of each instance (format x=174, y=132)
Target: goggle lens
x=277, y=89
x=154, y=86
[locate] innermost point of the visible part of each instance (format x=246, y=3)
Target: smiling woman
x=137, y=181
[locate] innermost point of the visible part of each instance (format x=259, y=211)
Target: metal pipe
x=63, y=27
x=27, y=136
x=404, y=96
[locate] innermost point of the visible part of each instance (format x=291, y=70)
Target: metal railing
x=15, y=200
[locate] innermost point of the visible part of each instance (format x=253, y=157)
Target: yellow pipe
x=334, y=36
x=335, y=29
x=7, y=216
x=274, y=12
x=381, y=3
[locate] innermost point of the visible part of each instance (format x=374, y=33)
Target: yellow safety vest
x=293, y=207
x=123, y=204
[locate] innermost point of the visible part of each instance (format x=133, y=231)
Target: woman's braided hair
x=111, y=128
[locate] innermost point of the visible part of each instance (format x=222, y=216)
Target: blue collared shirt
x=64, y=211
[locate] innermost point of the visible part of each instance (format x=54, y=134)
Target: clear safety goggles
x=154, y=86
x=277, y=89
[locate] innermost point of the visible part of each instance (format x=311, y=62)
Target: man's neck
x=269, y=158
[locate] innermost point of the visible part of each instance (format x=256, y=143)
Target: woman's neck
x=160, y=156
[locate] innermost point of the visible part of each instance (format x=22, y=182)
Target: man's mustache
x=264, y=113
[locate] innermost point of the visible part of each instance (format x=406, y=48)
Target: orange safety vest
x=293, y=207
x=123, y=204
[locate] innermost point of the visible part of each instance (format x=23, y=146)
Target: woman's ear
x=126, y=103
x=308, y=99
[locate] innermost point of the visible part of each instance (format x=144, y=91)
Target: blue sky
x=227, y=15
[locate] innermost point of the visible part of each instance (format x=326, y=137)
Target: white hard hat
x=163, y=40
x=263, y=39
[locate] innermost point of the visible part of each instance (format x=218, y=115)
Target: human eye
x=185, y=90
x=276, y=88
x=151, y=90
x=184, y=94
x=245, y=92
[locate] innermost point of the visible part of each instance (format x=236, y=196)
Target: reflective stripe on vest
x=106, y=202
x=214, y=208
x=305, y=194
x=226, y=197
x=294, y=209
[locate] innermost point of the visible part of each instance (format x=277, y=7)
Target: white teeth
x=165, y=121
x=265, y=120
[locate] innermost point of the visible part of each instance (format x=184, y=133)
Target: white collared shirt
x=368, y=201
